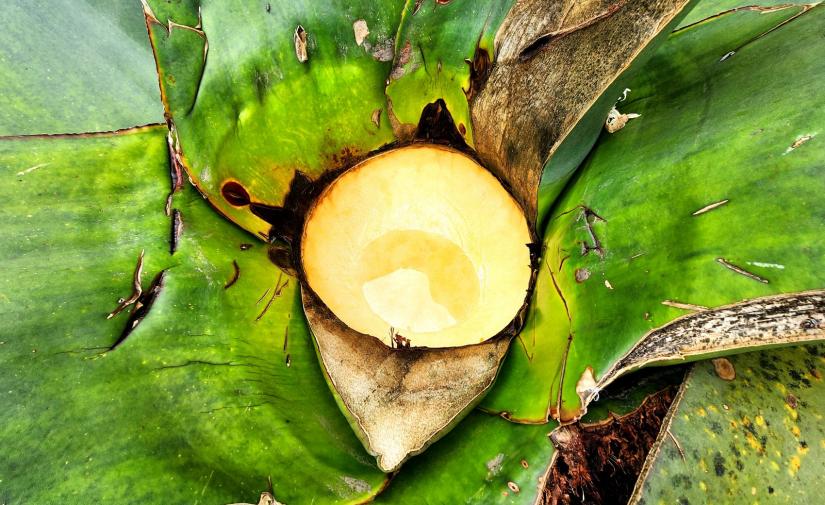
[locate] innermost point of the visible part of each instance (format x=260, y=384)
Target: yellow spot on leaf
x=795, y=431
x=701, y=412
x=791, y=412
x=760, y=421
x=793, y=465
x=774, y=466
x=703, y=486
x=753, y=442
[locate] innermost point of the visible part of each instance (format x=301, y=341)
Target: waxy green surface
x=757, y=439
x=484, y=460
x=69, y=66
x=248, y=110
x=208, y=397
x=710, y=131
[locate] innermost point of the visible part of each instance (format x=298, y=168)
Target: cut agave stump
x=417, y=266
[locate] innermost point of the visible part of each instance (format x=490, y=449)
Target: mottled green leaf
x=636, y=240
x=215, y=391
x=756, y=439
x=70, y=66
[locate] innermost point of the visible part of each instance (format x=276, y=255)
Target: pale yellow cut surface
x=421, y=241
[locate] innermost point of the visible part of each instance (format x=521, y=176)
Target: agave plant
x=398, y=251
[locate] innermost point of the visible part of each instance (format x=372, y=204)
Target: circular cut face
x=419, y=245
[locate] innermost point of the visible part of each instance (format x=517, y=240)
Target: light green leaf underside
x=248, y=110
x=75, y=66
x=758, y=438
x=710, y=131
x=202, y=403
x=482, y=461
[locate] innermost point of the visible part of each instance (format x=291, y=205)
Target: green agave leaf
x=214, y=392
x=75, y=66
x=558, y=69
x=672, y=215
x=441, y=47
x=247, y=110
x=710, y=8
x=484, y=460
x=757, y=438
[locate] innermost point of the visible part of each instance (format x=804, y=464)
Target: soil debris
x=403, y=58
x=709, y=207
x=300, y=39
x=684, y=306
x=616, y=120
x=361, y=31
x=598, y=464
x=798, y=142
x=741, y=271
x=582, y=274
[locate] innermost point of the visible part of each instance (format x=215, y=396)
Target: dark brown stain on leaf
x=235, y=194
x=436, y=125
x=177, y=229
x=236, y=273
x=281, y=256
x=141, y=308
x=480, y=68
